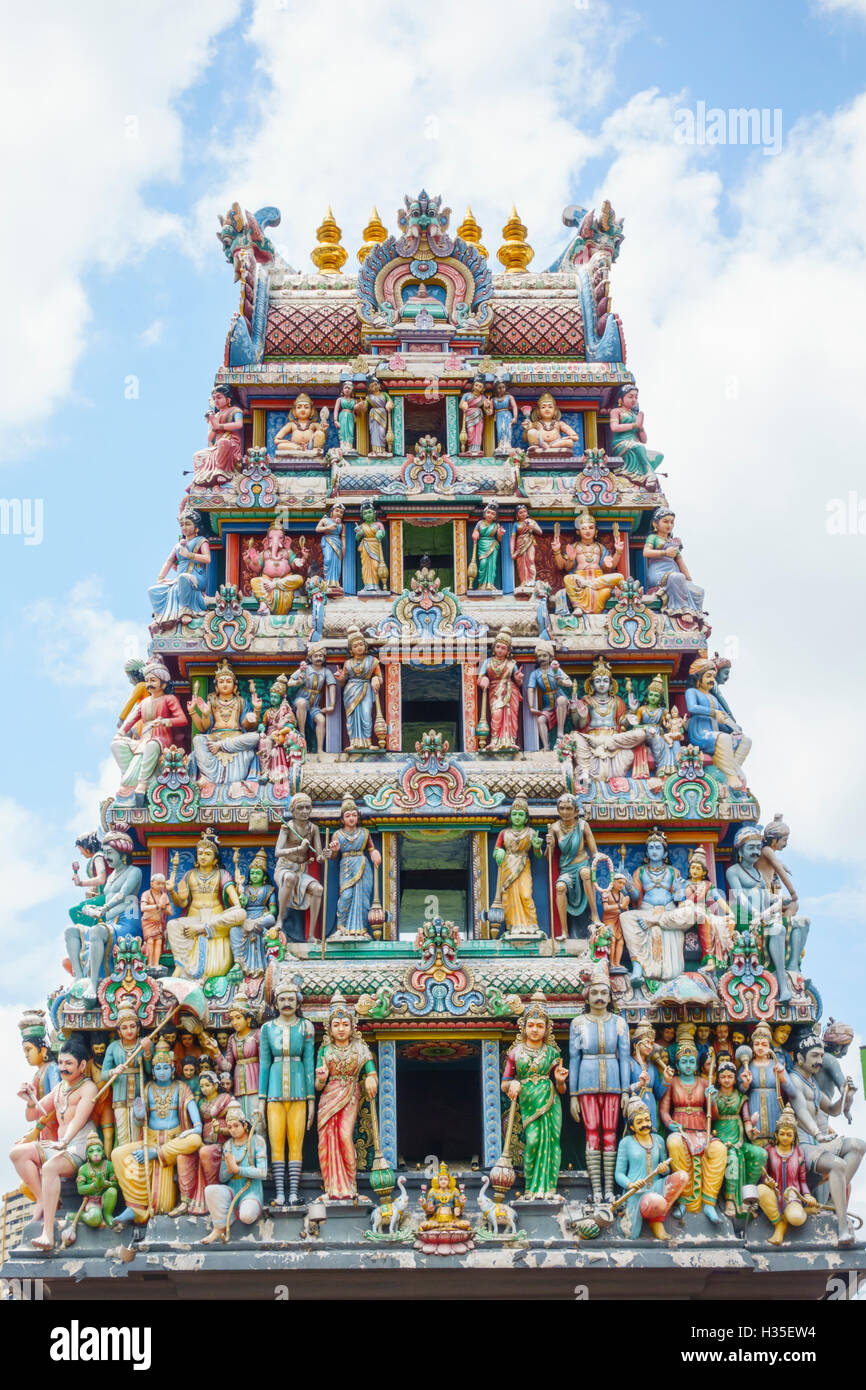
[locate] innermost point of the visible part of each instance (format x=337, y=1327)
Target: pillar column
x=470, y=705
x=460, y=560
x=393, y=705
x=387, y=1100
x=491, y=1102
x=396, y=559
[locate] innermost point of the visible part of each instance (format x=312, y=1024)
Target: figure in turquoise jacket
x=286, y=1086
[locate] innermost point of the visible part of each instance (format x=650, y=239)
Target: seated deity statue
x=280, y=570
x=546, y=432
x=225, y=746
x=200, y=939
x=604, y=744
x=304, y=431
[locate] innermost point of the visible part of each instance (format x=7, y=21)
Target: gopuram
x=433, y=942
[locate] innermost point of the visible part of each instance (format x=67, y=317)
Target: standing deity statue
x=43, y=1163
x=227, y=739
x=379, y=407
x=361, y=679
x=832, y=1158
x=572, y=836
x=589, y=569
x=599, y=1079
x=200, y=940
x=735, y=1127
x=155, y=907
x=776, y=876
x=258, y=898
x=650, y=1071
x=666, y=570
x=684, y=1111
x=545, y=431
x=371, y=539
x=280, y=742
x=313, y=690
x=89, y=947
x=346, y=410
x=474, y=406
x=304, y=431
x=333, y=532
x=504, y=417
x=343, y=1065
x=239, y=1194
x=629, y=439
x=759, y=906
x=152, y=725
x=500, y=679
x=155, y=1169
x=487, y=540
x=715, y=922
x=783, y=1192
x=183, y=597
x=763, y=1079
x=298, y=842
x=522, y=546
x=126, y=1072
x=533, y=1079
x=242, y=1057
x=513, y=855
x=613, y=901
x=214, y=466
x=604, y=745
x=213, y=1105
x=286, y=1088
x=46, y=1073
x=358, y=856
x=641, y=1157
x=548, y=692
x=280, y=570
x=713, y=730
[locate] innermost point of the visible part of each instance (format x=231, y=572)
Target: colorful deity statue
x=666, y=570
x=332, y=530
x=571, y=835
x=212, y=1105
x=280, y=742
x=160, y=1166
x=650, y=1070
x=361, y=679
x=347, y=408
x=504, y=416
x=89, y=947
x=776, y=876
x=486, y=540
x=713, y=730
x=200, y=939
x=589, y=569
x=604, y=744
x=97, y=1186
x=522, y=546
x=612, y=902
x=734, y=1126
x=298, y=843
x=533, y=1079
x=358, y=856
x=759, y=907
x=714, y=920
x=641, y=1158
x=258, y=898
x=46, y=1074
x=545, y=431
x=227, y=738
x=343, y=1066
x=182, y=596
x=763, y=1079
x=513, y=855
x=155, y=907
x=214, y=466
x=655, y=927
x=829, y=1156
x=548, y=693
x=652, y=714
x=629, y=438
x=371, y=539
x=151, y=726
x=42, y=1163
x=692, y=1151
x=280, y=570
x=783, y=1192
x=286, y=1088
x=379, y=406
x=499, y=680
x=444, y=1231
x=304, y=431
x=125, y=1065
x=243, y=1167
x=599, y=1081
x=475, y=405
x=314, y=696
x=242, y=1057
x=95, y=874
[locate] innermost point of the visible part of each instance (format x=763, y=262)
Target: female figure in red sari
x=215, y=465
x=343, y=1059
x=501, y=677
x=212, y=1107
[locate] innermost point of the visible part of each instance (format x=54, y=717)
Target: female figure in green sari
x=487, y=537
x=535, y=1077
x=733, y=1125
x=629, y=437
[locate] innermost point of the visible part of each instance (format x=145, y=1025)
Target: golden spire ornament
x=329, y=256
x=374, y=234
x=515, y=252
x=469, y=231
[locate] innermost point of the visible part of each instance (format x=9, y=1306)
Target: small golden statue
x=444, y=1232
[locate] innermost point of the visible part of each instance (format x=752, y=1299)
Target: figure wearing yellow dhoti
x=683, y=1110
x=514, y=847
x=171, y=1136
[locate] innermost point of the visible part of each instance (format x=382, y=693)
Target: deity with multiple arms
x=589, y=568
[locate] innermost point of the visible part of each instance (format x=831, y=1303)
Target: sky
x=740, y=287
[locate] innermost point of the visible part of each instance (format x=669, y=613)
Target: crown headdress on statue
x=340, y=1008
x=536, y=1008
x=225, y=668
x=788, y=1117
x=259, y=860
x=209, y=837
x=600, y=668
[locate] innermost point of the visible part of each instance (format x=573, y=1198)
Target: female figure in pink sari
x=343, y=1059
x=214, y=466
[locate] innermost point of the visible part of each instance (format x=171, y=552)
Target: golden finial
x=470, y=231
x=329, y=256
x=374, y=234
x=515, y=253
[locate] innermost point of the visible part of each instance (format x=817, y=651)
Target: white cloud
x=855, y=7
x=152, y=335
x=87, y=101
x=83, y=644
